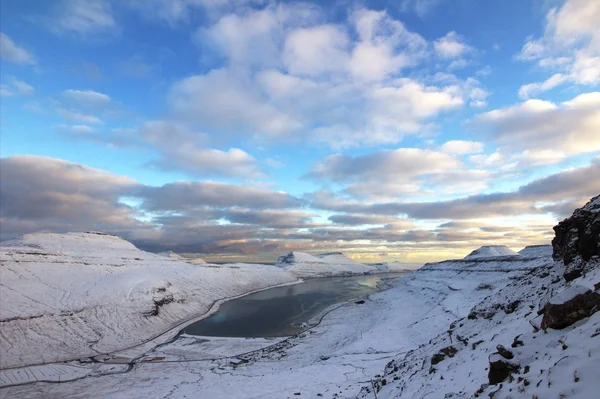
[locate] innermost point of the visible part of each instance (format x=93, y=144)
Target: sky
x=408, y=130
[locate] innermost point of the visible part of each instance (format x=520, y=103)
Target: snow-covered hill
x=78, y=294
x=330, y=264
x=503, y=327
x=398, y=266
x=490, y=251
x=536, y=250
x=176, y=256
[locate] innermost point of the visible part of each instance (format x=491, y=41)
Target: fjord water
x=281, y=311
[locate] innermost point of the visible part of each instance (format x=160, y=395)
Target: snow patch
x=568, y=294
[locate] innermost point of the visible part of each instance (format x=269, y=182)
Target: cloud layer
x=39, y=193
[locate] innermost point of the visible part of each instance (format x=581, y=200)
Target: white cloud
x=11, y=52
x=385, y=46
x=209, y=162
x=5, y=91
x=247, y=39
x=22, y=87
x=405, y=102
x=289, y=75
x=87, y=98
x=400, y=163
x=531, y=89
x=572, y=126
x=224, y=101
x=75, y=129
x=83, y=17
x=184, y=150
x=420, y=7
x=73, y=116
x=461, y=147
x=451, y=46
x=414, y=172
x=570, y=44
x=16, y=87
x=316, y=50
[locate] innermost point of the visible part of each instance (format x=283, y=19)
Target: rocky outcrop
x=571, y=305
x=577, y=239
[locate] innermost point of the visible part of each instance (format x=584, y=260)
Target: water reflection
x=282, y=311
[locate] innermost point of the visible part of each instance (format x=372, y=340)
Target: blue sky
x=349, y=108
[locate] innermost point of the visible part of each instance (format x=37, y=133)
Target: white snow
x=536, y=250
x=332, y=264
x=567, y=294
x=80, y=294
x=472, y=305
x=593, y=205
x=489, y=251
x=398, y=266
x=173, y=255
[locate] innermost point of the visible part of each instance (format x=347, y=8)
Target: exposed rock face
x=578, y=238
x=563, y=313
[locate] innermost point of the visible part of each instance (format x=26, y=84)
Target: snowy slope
x=173, y=255
x=536, y=250
x=489, y=251
x=398, y=266
x=350, y=346
x=432, y=335
x=331, y=264
x=79, y=294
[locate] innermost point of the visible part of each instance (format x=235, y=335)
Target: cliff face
x=577, y=239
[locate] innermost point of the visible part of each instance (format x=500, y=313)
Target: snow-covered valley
x=501, y=323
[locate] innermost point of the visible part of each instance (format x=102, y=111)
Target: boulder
x=571, y=305
x=448, y=351
x=501, y=368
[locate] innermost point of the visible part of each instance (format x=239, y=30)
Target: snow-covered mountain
x=398, y=266
x=80, y=294
x=520, y=326
x=490, y=251
x=173, y=255
x=536, y=250
x=330, y=264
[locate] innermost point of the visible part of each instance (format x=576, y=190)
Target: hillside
x=80, y=294
x=330, y=264
x=490, y=251
x=514, y=326
x=176, y=256
x=536, y=250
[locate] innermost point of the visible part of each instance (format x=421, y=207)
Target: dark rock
x=500, y=368
x=561, y=315
x=505, y=353
x=511, y=307
x=448, y=351
x=359, y=302
x=578, y=239
x=475, y=344
x=517, y=342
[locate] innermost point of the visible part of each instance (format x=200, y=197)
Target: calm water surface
x=281, y=311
